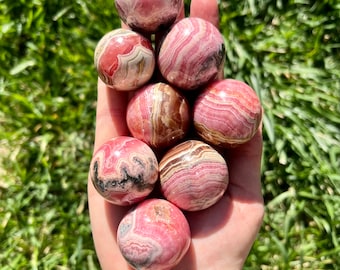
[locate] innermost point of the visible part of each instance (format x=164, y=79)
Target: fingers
x=244, y=164
x=110, y=122
x=105, y=218
x=111, y=113
x=205, y=9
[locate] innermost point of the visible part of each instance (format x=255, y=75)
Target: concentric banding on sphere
x=124, y=170
x=148, y=16
x=227, y=113
x=191, y=54
x=193, y=175
x=124, y=59
x=154, y=235
x=158, y=115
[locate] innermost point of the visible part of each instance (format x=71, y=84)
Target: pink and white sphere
x=154, y=235
x=124, y=170
x=124, y=59
x=191, y=54
x=227, y=113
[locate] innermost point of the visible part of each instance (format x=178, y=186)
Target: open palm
x=221, y=235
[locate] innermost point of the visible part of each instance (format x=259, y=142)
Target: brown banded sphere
x=158, y=115
x=193, y=175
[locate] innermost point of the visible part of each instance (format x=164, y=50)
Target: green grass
x=289, y=51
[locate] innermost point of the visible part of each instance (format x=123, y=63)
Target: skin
x=222, y=235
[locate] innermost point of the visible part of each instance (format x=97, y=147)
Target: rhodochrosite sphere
x=191, y=54
x=124, y=59
x=193, y=175
x=155, y=235
x=227, y=113
x=148, y=15
x=158, y=115
x=124, y=170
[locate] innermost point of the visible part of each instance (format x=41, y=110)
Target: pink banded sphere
x=193, y=175
x=158, y=115
x=148, y=16
x=155, y=235
x=124, y=59
x=124, y=170
x=227, y=113
x=192, y=53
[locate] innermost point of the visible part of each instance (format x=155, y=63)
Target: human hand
x=223, y=234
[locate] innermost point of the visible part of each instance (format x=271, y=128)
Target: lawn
x=288, y=51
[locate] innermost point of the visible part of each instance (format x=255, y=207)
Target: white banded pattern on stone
x=124, y=59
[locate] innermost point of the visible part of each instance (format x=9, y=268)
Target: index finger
x=110, y=114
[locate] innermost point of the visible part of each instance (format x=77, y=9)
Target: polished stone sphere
x=191, y=54
x=124, y=59
x=158, y=114
x=124, y=170
x=154, y=235
x=193, y=175
x=227, y=113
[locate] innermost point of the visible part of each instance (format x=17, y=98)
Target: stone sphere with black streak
x=124, y=59
x=124, y=170
x=191, y=54
x=154, y=235
x=148, y=16
x=193, y=175
x=227, y=113
x=159, y=115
